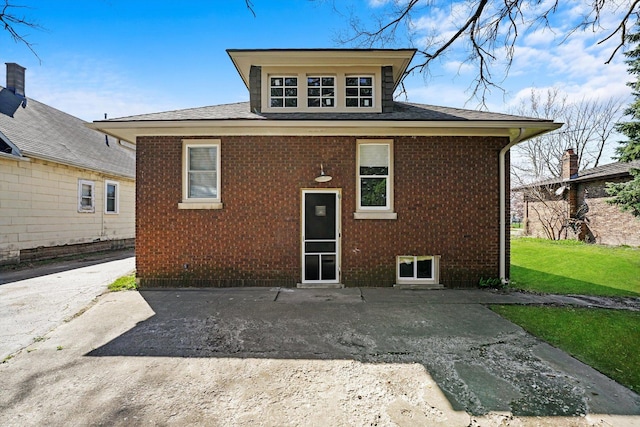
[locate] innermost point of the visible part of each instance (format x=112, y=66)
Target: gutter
x=503, y=204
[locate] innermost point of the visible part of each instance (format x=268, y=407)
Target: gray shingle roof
x=402, y=112
x=609, y=171
x=44, y=132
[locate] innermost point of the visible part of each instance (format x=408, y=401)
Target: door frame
x=338, y=195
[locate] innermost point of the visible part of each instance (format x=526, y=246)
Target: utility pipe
x=503, y=204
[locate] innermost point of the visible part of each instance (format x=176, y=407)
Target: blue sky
x=125, y=57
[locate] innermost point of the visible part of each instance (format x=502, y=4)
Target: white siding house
x=64, y=188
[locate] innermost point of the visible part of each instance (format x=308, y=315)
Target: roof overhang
x=130, y=130
x=399, y=59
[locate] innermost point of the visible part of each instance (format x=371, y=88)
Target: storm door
x=320, y=236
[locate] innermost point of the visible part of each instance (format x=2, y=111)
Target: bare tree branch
x=249, y=5
x=12, y=22
x=488, y=29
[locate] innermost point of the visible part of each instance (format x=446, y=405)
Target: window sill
x=200, y=205
x=375, y=215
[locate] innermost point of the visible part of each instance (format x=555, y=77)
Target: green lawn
x=124, y=283
x=571, y=267
x=607, y=340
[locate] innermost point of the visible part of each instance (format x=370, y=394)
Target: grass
x=607, y=340
x=572, y=267
x=124, y=283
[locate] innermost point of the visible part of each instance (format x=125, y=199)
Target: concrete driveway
x=274, y=357
x=34, y=301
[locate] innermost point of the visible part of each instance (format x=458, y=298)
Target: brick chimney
x=15, y=78
x=569, y=165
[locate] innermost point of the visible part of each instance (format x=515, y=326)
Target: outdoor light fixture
x=323, y=177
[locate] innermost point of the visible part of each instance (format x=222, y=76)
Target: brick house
x=63, y=190
x=575, y=205
x=322, y=179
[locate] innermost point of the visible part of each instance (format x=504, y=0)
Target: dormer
x=321, y=80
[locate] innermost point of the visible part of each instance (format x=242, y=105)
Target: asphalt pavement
x=305, y=357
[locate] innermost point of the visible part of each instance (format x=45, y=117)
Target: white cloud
x=378, y=3
x=88, y=88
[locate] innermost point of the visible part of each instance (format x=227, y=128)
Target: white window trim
x=340, y=73
x=116, y=184
x=435, y=277
x=284, y=97
x=334, y=100
x=200, y=203
x=373, y=92
x=92, y=208
x=375, y=212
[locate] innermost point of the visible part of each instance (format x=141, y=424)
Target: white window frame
x=435, y=271
x=116, y=184
x=322, y=97
x=200, y=202
x=375, y=212
x=284, y=95
x=92, y=207
x=360, y=97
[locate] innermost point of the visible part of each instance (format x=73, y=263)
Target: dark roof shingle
x=45, y=132
x=402, y=112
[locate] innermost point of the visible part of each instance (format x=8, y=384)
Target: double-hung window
x=321, y=91
x=112, y=196
x=201, y=174
x=375, y=179
x=86, y=196
x=283, y=92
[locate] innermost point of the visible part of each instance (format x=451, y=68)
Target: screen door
x=320, y=236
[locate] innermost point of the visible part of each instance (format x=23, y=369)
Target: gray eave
x=405, y=115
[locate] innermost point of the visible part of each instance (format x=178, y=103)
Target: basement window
x=421, y=269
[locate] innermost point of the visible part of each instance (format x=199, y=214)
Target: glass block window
x=283, y=92
x=359, y=91
x=321, y=91
x=373, y=175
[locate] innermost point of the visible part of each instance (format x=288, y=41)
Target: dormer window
x=283, y=92
x=321, y=91
x=359, y=91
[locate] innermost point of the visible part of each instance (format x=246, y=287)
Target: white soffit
x=399, y=59
x=128, y=131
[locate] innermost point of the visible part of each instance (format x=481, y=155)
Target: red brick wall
x=446, y=197
x=607, y=224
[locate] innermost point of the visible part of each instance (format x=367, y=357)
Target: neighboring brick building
x=321, y=179
x=575, y=205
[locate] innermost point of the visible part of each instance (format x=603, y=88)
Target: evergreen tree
x=627, y=194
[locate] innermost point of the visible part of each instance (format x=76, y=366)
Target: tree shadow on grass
x=539, y=281
x=480, y=361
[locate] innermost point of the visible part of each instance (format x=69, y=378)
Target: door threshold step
x=319, y=286
x=431, y=286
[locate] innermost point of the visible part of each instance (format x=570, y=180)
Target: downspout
x=503, y=204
